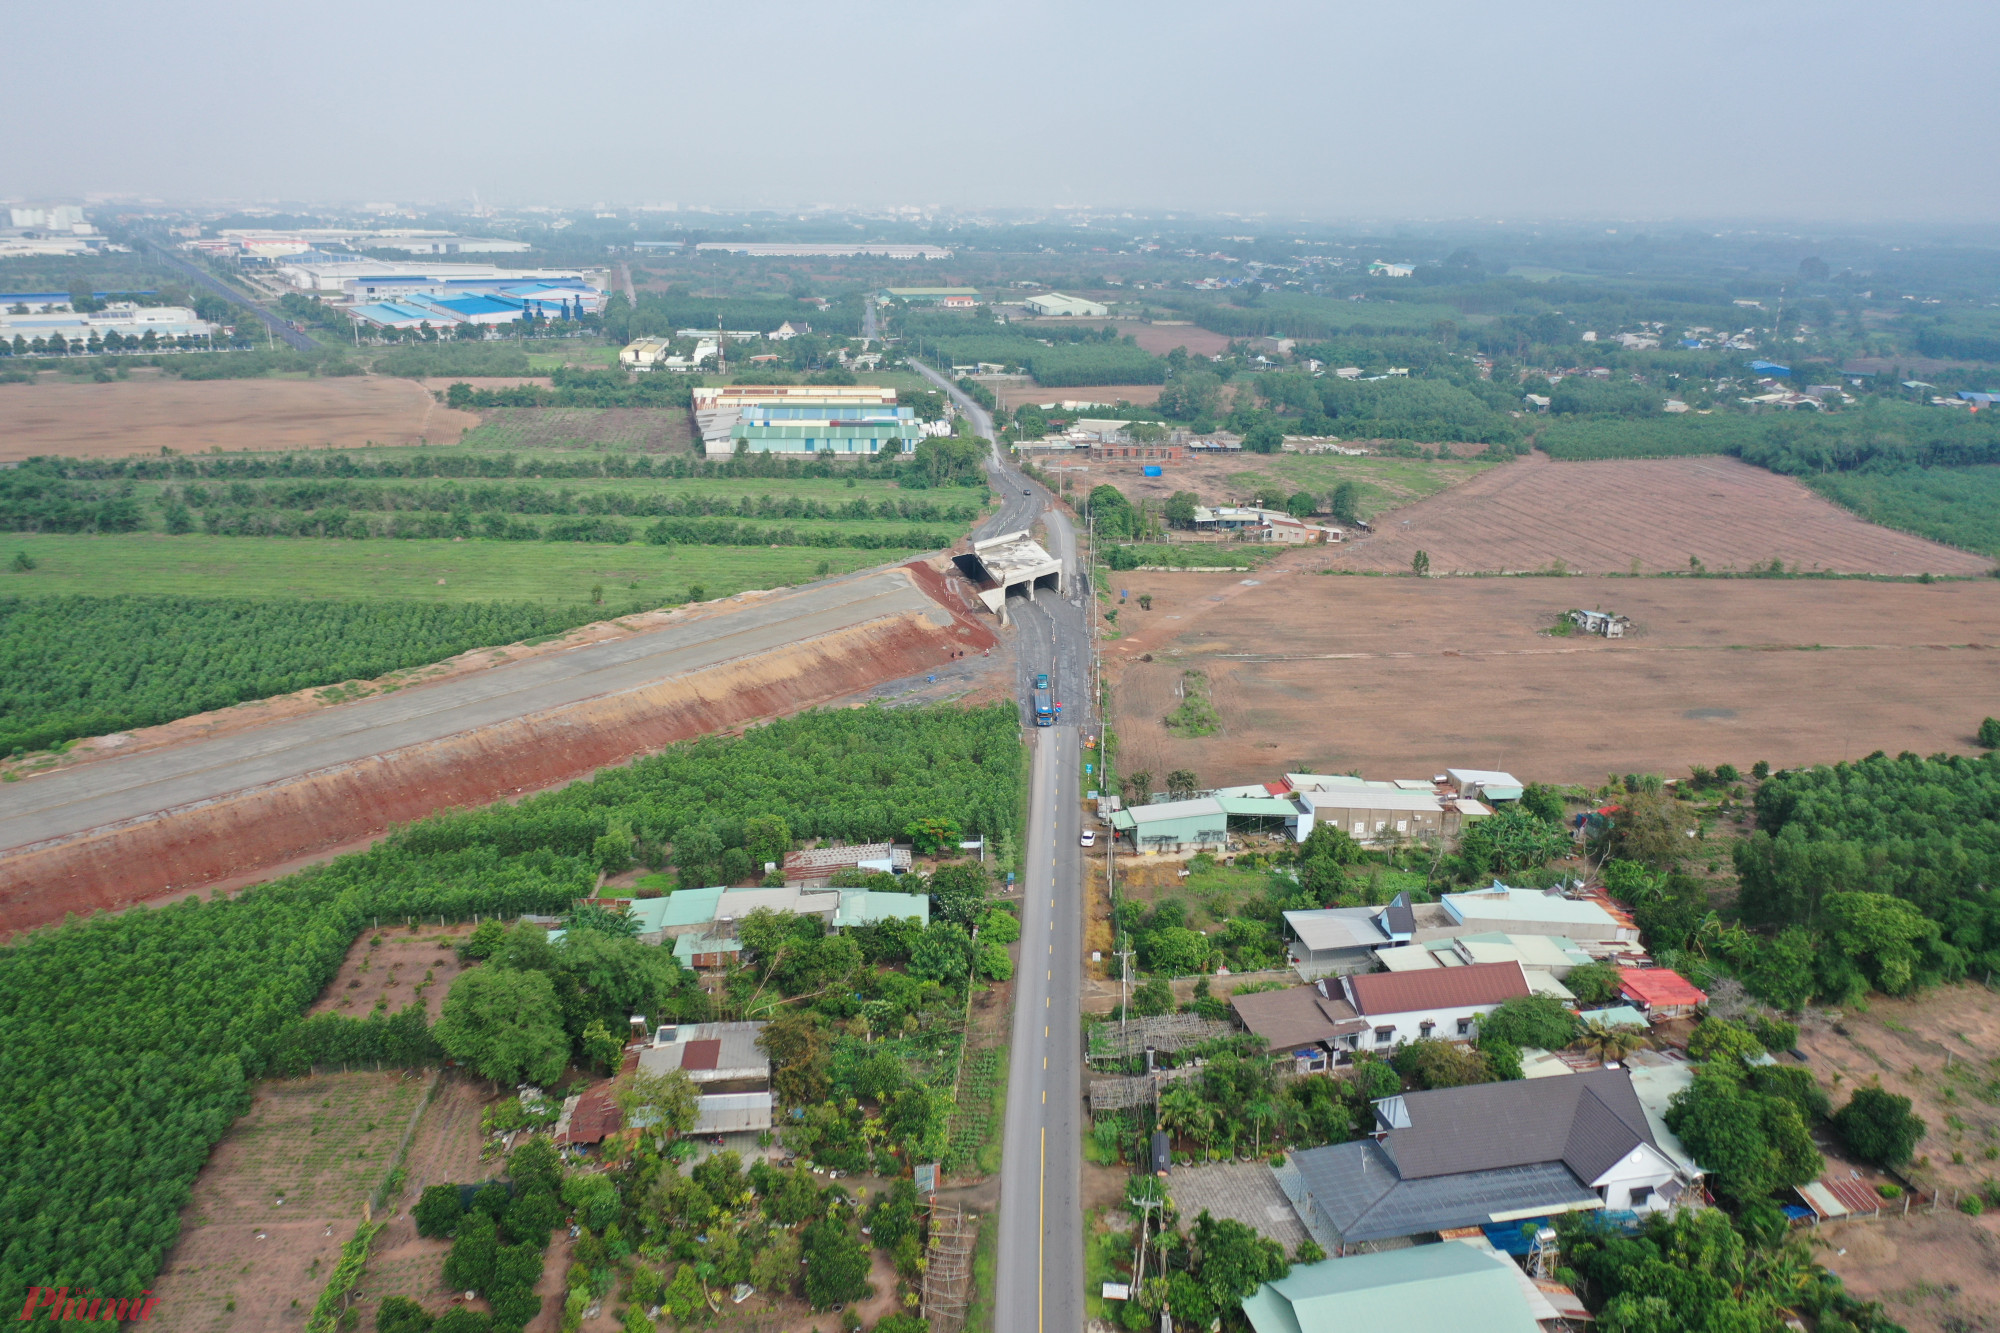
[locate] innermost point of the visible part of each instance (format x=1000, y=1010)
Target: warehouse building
x=1055, y=303
x=128, y=321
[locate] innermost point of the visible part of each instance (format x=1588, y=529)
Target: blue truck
x=1045, y=712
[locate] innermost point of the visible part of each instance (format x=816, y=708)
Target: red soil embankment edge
x=234, y=836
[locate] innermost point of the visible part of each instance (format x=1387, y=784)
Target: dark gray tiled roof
x=1355, y=1189
x=1397, y=916
x=1588, y=1120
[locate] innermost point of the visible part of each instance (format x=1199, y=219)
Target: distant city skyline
x=1445, y=110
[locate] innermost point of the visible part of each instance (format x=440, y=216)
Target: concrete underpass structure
x=1012, y=560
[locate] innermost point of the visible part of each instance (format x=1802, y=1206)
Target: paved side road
x=109, y=791
x=201, y=277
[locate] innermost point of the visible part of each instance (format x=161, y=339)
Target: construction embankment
x=121, y=831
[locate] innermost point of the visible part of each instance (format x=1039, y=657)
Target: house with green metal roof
x=1445, y=1288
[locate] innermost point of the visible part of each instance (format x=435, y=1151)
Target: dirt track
x=1401, y=677
x=1599, y=518
x=120, y=830
x=143, y=416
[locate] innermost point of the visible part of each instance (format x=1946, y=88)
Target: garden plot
x=280, y=1195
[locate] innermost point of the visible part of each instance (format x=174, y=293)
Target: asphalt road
x=109, y=791
x=1039, y=1284
x=201, y=277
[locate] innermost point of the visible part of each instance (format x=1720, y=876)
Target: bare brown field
x=1652, y=514
x=1933, y=1272
x=1401, y=677
x=398, y=969
x=144, y=416
x=279, y=1196
x=1013, y=395
x=1938, y=1050
x=655, y=430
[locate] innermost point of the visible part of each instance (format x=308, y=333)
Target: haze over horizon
x=1832, y=112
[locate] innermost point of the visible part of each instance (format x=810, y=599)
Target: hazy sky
x=1424, y=108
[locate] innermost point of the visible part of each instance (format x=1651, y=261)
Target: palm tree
x=1609, y=1042
x=1259, y=1113
x=1183, y=1113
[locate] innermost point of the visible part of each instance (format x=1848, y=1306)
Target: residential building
x=1513, y=911
x=1335, y=940
x=1374, y=812
x=725, y=1062
x=1544, y=959
x=702, y=922
x=1056, y=304
x=1173, y=826
x=1491, y=1152
x=1445, y=1004
x=1305, y=1024
x=787, y=331
x=1446, y=1288
x=1660, y=992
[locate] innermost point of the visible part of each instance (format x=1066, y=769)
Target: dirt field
x=1903, y=1045
x=1401, y=677
x=143, y=416
x=444, y=1151
x=402, y=967
x=1933, y=1272
x=1013, y=395
x=1607, y=517
x=280, y=1195
x=1386, y=483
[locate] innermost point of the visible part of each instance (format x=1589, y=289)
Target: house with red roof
x=1444, y=1003
x=1660, y=992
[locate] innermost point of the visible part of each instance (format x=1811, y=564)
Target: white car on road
x=1089, y=838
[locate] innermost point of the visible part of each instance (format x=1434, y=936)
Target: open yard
x=393, y=966
x=1646, y=515
x=1942, y=1051
x=1401, y=677
x=144, y=415
x=280, y=1195
x=457, y=571
x=1933, y=1272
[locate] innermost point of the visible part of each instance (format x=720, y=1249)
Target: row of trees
x=525, y=497
x=73, y=666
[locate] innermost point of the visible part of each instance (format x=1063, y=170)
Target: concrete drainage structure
x=1011, y=560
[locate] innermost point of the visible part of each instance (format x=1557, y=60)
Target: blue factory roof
x=476, y=305
x=22, y=298
x=1770, y=368
x=392, y=310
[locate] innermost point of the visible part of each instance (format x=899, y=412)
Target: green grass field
x=460, y=571
x=1386, y=483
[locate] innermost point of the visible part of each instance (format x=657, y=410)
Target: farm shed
x=1173, y=826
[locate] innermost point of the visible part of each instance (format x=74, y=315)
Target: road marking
x=1045, y=1100
x=1045, y=1062
x=1041, y=1222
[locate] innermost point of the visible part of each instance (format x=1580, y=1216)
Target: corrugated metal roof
x=1336, y=928
x=1382, y=993
x=1509, y=904
x=1262, y=806
x=1659, y=985
x=1370, y=798
x=1152, y=814
x=1423, y=1289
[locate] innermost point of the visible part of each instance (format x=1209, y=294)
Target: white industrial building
x=1055, y=303
x=129, y=321
x=374, y=279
